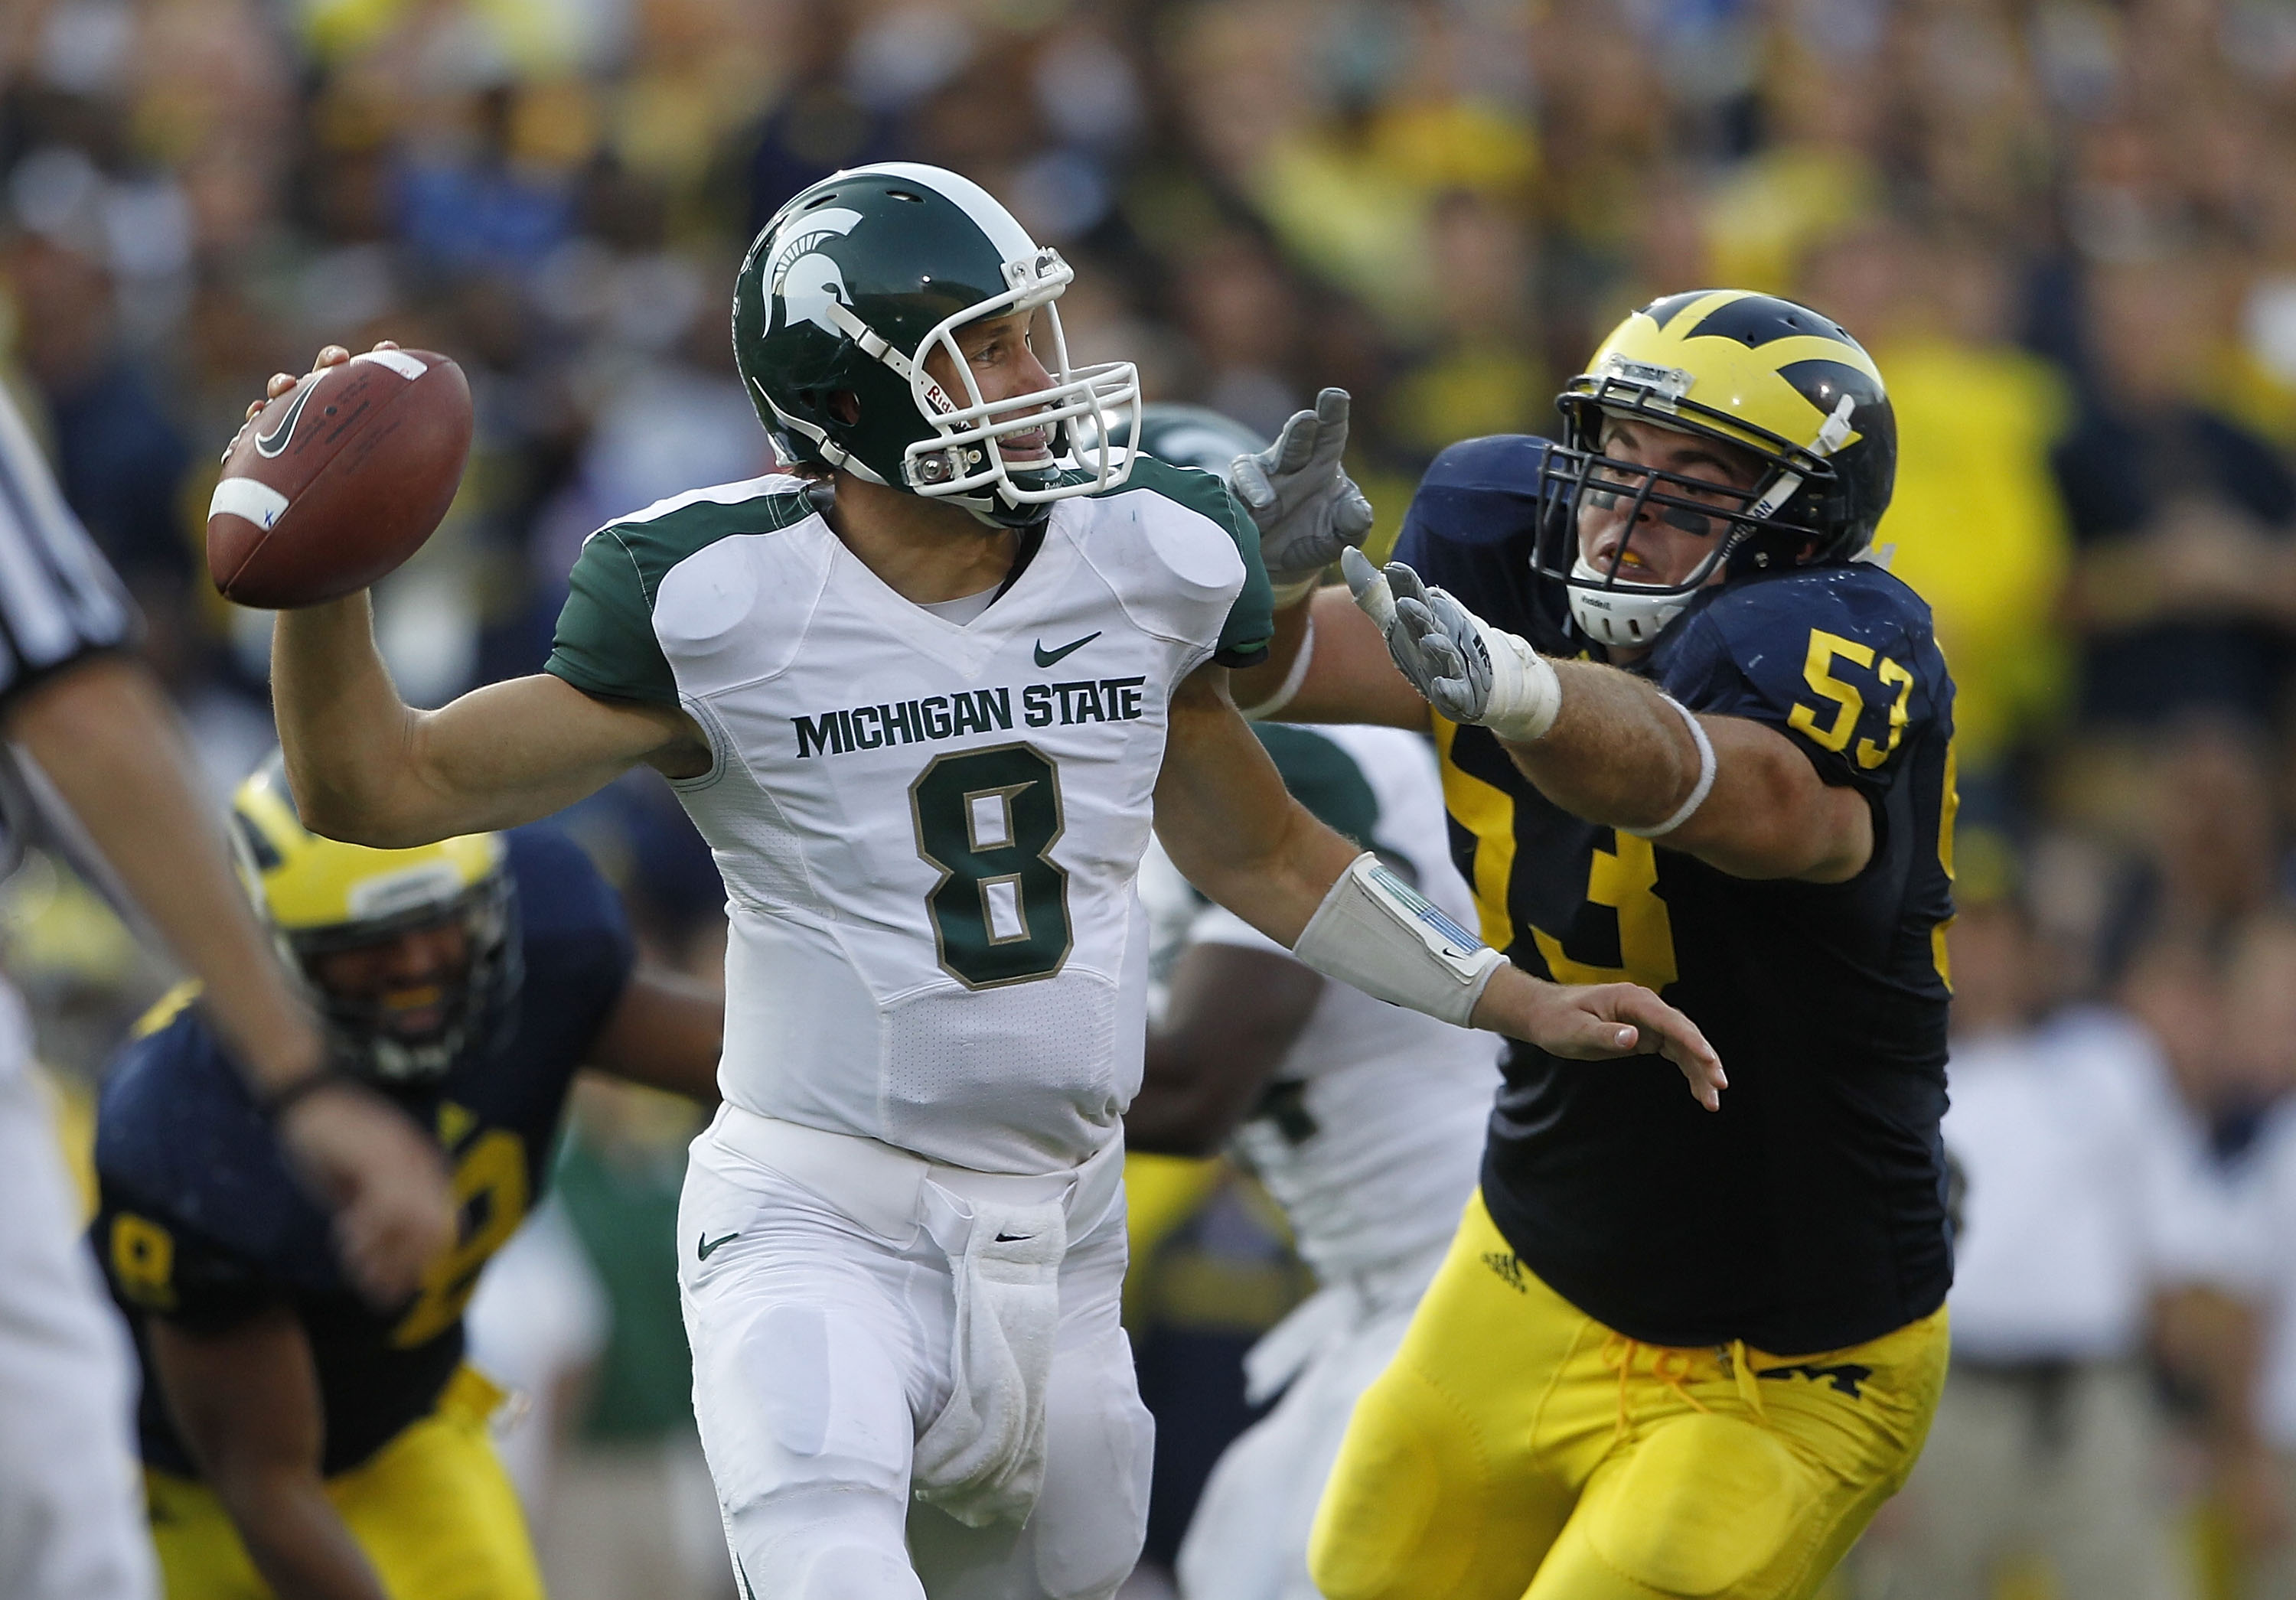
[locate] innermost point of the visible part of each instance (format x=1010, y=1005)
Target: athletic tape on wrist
x=1293, y=679
x=1699, y=790
x=1526, y=692
x=1377, y=932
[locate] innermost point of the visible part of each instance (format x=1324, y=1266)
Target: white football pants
x=71, y=1499
x=1248, y=1540
x=822, y=1348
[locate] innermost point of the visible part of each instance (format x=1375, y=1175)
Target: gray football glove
x=1468, y=671
x=1307, y=509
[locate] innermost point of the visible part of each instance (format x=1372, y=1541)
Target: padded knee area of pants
x=1410, y=1459
x=1703, y=1503
x=817, y=1542
x=848, y=1573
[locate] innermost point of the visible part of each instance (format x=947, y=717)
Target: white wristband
x=1526, y=694
x=1293, y=679
x=1377, y=932
x=1699, y=790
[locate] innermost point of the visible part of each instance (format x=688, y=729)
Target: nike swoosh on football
x=704, y=1245
x=269, y=445
x=1047, y=658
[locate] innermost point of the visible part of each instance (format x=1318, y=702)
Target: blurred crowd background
x=2065, y=228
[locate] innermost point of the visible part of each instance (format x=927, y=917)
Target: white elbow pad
x=1377, y=932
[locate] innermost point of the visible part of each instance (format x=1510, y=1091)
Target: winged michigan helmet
x=319, y=896
x=1772, y=381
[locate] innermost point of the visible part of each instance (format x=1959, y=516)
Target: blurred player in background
x=295, y=1434
x=2093, y=1224
x=1671, y=1355
x=923, y=697
x=96, y=726
x=1364, y=1121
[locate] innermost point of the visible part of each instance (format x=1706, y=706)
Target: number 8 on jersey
x=987, y=818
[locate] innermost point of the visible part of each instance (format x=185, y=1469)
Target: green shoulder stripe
x=605, y=642
x=1251, y=624
x=1323, y=778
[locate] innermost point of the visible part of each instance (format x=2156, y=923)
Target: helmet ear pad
x=849, y=397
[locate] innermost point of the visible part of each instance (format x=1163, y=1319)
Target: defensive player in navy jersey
x=298, y=1440
x=1694, y=737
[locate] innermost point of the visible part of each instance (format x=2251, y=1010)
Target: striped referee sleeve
x=59, y=598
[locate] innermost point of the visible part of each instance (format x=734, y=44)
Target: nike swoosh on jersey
x=269, y=445
x=1047, y=658
x=704, y=1245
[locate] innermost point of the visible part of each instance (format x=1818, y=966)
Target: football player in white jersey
x=924, y=695
x=1364, y=1120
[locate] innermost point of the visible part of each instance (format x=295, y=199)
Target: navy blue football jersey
x=1809, y=1213
x=201, y=1222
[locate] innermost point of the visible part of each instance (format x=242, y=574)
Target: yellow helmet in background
x=321, y=896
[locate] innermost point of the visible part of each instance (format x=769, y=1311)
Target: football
x=340, y=479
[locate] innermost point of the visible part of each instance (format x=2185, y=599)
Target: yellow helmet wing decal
x=1705, y=352
x=307, y=881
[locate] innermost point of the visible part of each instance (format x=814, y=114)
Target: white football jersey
x=929, y=832
x=1372, y=1136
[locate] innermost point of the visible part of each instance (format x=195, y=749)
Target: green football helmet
x=856, y=282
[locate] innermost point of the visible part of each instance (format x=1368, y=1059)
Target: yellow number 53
x=1849, y=704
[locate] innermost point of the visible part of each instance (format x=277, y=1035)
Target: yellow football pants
x=433, y=1510
x=1518, y=1450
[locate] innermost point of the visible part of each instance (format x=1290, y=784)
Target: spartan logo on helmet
x=856, y=283
x=818, y=279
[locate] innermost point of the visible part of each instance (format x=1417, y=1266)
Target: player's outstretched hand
x=1466, y=669
x=1433, y=639
x=1601, y=1021
x=1306, y=507
x=394, y=1210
